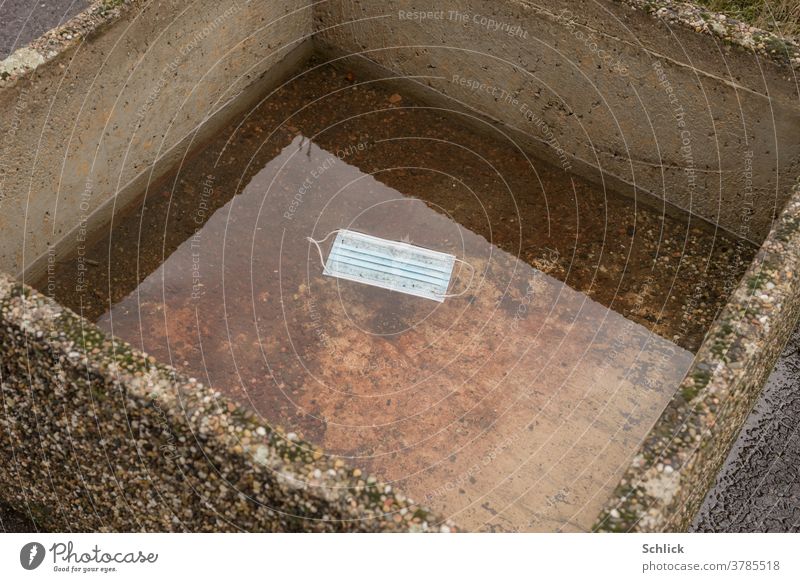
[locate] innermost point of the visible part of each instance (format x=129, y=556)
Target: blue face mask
x=392, y=265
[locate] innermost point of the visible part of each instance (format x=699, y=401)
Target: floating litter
x=393, y=265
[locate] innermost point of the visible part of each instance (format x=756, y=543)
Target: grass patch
x=780, y=16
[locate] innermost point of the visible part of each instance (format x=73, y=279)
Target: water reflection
x=515, y=406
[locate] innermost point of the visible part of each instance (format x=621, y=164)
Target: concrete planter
x=676, y=108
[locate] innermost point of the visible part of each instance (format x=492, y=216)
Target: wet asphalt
x=758, y=488
x=22, y=21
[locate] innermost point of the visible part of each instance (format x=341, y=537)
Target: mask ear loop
x=471, y=277
x=317, y=244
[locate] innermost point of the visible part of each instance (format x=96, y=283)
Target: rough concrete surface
x=679, y=461
x=758, y=488
x=598, y=86
x=21, y=21
x=130, y=96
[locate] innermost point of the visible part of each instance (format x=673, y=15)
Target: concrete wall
x=95, y=436
x=701, y=423
x=101, y=118
x=708, y=127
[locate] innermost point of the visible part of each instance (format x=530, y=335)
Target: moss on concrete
x=97, y=436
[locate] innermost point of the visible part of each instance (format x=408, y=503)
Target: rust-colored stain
x=513, y=407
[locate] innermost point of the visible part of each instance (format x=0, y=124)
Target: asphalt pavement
x=758, y=488
x=22, y=21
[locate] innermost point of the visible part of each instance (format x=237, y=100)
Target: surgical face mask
x=392, y=265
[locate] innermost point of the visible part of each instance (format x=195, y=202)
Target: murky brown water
x=515, y=406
